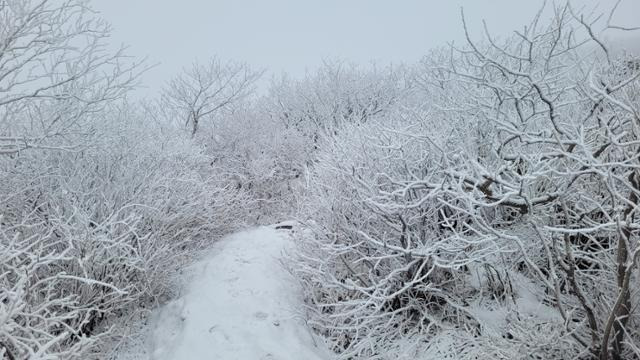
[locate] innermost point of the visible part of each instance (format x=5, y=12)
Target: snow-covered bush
x=497, y=220
x=385, y=259
x=261, y=157
x=92, y=235
x=337, y=94
x=99, y=202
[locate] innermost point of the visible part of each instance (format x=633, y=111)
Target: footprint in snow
x=261, y=315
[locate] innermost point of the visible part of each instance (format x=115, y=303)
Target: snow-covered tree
x=56, y=73
x=203, y=90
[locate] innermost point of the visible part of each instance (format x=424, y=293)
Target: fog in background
x=295, y=36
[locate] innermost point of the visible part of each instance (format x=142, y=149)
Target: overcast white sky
x=294, y=36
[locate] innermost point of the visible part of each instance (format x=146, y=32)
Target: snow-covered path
x=241, y=304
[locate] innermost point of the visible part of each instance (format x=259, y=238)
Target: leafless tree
x=56, y=73
x=205, y=89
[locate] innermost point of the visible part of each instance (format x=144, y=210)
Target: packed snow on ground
x=240, y=304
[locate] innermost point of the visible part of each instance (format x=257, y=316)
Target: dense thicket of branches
x=492, y=212
x=480, y=204
x=101, y=201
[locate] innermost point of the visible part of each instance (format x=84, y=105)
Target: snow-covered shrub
x=95, y=234
x=100, y=202
x=269, y=143
x=385, y=260
x=337, y=94
x=261, y=157
x=501, y=212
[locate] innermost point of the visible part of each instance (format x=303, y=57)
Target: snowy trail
x=241, y=304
